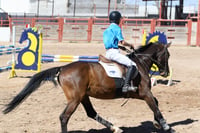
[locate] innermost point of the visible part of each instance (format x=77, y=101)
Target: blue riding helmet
x=115, y=17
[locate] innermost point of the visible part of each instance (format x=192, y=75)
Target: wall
x=5, y=37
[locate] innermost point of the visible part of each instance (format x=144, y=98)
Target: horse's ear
x=168, y=44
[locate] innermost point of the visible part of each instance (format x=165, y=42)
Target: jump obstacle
x=6, y=68
x=29, y=57
x=4, y=51
x=7, y=50
x=68, y=58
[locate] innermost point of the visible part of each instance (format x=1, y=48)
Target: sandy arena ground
x=179, y=103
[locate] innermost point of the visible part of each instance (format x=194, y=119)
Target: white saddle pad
x=111, y=69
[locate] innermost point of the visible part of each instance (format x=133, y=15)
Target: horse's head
x=24, y=36
x=161, y=58
x=155, y=53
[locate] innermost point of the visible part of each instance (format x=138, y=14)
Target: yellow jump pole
x=40, y=53
x=144, y=37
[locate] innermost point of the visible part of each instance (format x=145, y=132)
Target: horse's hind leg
x=93, y=114
x=68, y=111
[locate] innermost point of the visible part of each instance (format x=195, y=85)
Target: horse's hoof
x=116, y=130
x=166, y=127
x=162, y=125
x=156, y=124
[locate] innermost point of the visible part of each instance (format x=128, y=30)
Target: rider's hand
x=131, y=46
x=127, y=44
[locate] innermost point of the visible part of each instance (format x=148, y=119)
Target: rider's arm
x=123, y=42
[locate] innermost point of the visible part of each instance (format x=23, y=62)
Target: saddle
x=112, y=68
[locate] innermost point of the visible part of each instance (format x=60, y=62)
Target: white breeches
x=115, y=55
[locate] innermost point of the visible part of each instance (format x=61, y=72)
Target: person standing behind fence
x=112, y=36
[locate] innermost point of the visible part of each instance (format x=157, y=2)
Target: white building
x=98, y=8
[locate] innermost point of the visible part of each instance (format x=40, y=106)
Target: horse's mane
x=143, y=48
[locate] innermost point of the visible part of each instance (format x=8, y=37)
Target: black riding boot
x=130, y=74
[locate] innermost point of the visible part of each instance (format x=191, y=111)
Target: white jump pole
x=13, y=40
x=12, y=73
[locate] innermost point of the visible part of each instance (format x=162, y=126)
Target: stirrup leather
x=127, y=88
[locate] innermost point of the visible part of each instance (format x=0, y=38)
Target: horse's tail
x=31, y=86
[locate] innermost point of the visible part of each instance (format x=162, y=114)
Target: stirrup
x=129, y=88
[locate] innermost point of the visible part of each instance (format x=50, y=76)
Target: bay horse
x=81, y=80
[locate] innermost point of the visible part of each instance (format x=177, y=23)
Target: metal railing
x=183, y=32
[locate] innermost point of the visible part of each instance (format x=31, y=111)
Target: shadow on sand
x=145, y=127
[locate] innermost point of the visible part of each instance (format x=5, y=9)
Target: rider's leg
x=114, y=54
x=130, y=74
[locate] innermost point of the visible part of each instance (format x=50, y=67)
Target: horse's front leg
x=156, y=123
x=153, y=104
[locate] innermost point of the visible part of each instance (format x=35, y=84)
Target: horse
x=82, y=80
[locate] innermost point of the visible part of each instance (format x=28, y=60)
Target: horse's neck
x=145, y=60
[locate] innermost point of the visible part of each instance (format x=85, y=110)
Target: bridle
x=165, y=65
x=155, y=61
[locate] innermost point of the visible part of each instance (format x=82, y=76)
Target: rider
x=111, y=37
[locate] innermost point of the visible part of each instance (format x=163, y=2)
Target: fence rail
x=181, y=32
